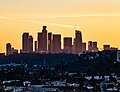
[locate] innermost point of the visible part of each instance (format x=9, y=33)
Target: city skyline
x=47, y=42
x=98, y=20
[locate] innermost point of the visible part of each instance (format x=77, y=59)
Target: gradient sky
x=99, y=20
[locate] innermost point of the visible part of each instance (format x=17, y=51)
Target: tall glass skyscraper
x=78, y=42
x=25, y=42
x=56, y=43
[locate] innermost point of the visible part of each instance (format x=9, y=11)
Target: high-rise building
x=8, y=49
x=40, y=42
x=67, y=45
x=25, y=43
x=94, y=46
x=35, y=47
x=49, y=42
x=106, y=47
x=90, y=46
x=78, y=42
x=30, y=44
x=84, y=46
x=56, y=48
x=44, y=39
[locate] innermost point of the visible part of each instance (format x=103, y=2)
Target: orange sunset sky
x=99, y=20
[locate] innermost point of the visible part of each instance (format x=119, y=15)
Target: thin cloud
x=64, y=16
x=82, y=15
x=52, y=24
x=37, y=22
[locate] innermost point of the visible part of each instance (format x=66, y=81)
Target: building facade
x=50, y=42
x=8, y=49
x=30, y=44
x=44, y=39
x=106, y=47
x=84, y=46
x=25, y=43
x=67, y=45
x=78, y=42
x=40, y=42
x=56, y=48
x=35, y=47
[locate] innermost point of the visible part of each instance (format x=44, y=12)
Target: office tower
x=56, y=43
x=94, y=46
x=78, y=42
x=106, y=47
x=84, y=46
x=90, y=46
x=39, y=42
x=8, y=49
x=44, y=39
x=30, y=44
x=67, y=45
x=25, y=42
x=35, y=46
x=50, y=42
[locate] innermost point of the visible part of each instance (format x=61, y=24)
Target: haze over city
x=97, y=20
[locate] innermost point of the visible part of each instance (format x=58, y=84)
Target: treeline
x=38, y=59
x=93, y=63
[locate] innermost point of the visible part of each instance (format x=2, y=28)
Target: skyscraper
x=84, y=46
x=56, y=43
x=95, y=48
x=8, y=49
x=35, y=47
x=78, y=42
x=50, y=42
x=67, y=45
x=90, y=46
x=30, y=44
x=40, y=42
x=44, y=39
x=25, y=42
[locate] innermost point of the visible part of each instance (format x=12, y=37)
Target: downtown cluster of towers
x=51, y=43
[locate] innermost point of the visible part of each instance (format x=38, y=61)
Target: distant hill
x=40, y=59
x=93, y=63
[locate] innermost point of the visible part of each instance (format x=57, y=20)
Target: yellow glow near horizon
x=98, y=20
